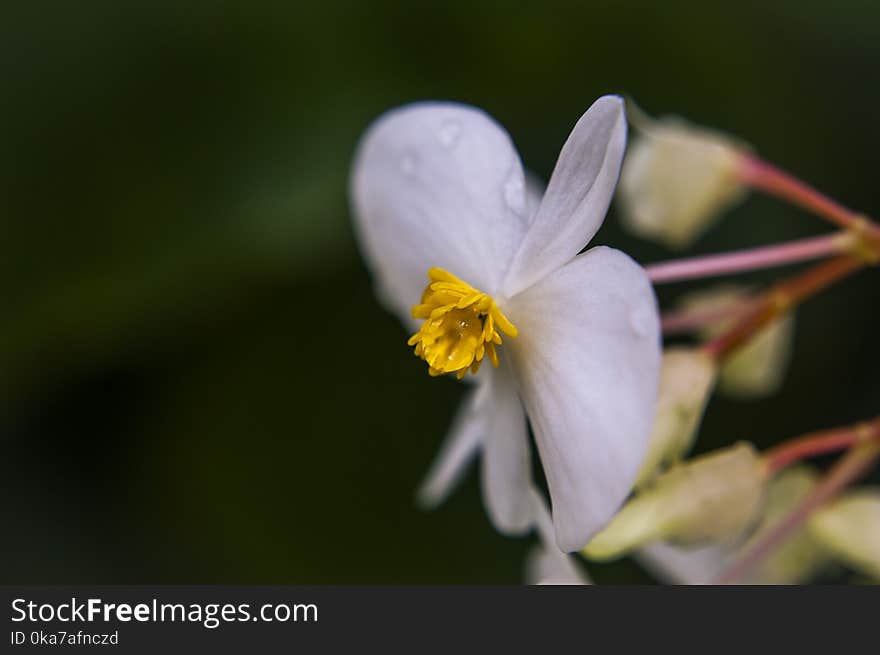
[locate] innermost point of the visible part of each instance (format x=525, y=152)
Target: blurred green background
x=183, y=400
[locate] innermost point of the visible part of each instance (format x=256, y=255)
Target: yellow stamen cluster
x=461, y=326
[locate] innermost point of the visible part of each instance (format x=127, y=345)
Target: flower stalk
x=751, y=259
x=781, y=298
x=765, y=177
x=820, y=443
x=438, y=187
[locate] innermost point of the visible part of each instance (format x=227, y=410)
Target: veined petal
x=587, y=360
x=437, y=185
x=546, y=564
x=506, y=463
x=577, y=197
x=461, y=445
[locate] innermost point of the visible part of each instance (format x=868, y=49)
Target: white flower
x=546, y=564
x=438, y=190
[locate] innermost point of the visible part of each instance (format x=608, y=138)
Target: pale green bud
x=687, y=376
x=758, y=367
x=714, y=497
x=794, y=561
x=676, y=179
x=849, y=528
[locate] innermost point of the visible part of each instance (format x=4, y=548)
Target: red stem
x=781, y=298
x=766, y=177
x=819, y=443
x=691, y=319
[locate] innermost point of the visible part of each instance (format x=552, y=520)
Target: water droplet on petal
x=448, y=133
x=641, y=320
x=408, y=164
x=515, y=194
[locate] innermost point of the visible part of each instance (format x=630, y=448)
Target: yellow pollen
x=461, y=326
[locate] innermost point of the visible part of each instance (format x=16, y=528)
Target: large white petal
x=587, y=360
x=437, y=184
x=506, y=463
x=577, y=196
x=461, y=445
x=546, y=564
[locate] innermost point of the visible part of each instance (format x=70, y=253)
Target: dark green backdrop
x=183, y=399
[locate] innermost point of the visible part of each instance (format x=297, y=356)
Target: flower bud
x=676, y=179
x=758, y=367
x=714, y=497
x=687, y=376
x=794, y=561
x=800, y=556
x=849, y=528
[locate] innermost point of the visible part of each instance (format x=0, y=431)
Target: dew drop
x=408, y=164
x=448, y=133
x=641, y=320
x=515, y=194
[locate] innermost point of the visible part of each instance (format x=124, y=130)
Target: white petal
x=577, y=196
x=507, y=468
x=546, y=564
x=437, y=184
x=587, y=360
x=461, y=445
x=684, y=566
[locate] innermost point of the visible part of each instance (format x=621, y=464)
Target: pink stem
x=678, y=322
x=747, y=260
x=762, y=175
